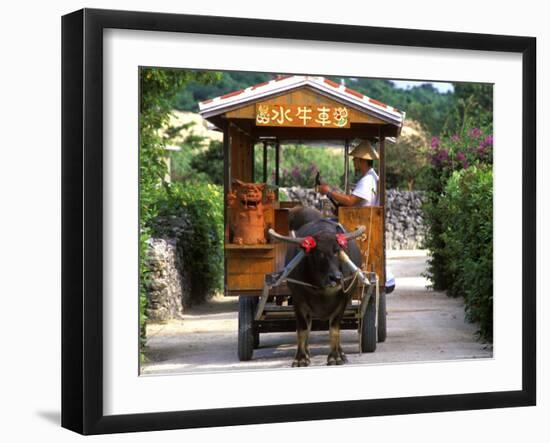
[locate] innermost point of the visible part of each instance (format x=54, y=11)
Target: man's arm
x=340, y=197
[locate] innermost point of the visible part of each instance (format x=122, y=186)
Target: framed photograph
x=235, y=188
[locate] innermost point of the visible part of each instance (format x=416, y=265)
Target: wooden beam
x=226, y=189
x=243, y=126
x=253, y=161
x=355, y=131
x=227, y=160
x=265, y=162
x=382, y=190
x=346, y=166
x=382, y=168
x=277, y=159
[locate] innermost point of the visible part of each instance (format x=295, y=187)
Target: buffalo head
x=323, y=264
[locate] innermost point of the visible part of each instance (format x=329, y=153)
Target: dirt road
x=423, y=325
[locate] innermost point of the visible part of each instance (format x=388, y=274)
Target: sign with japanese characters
x=304, y=116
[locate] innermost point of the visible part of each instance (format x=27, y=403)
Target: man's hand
x=323, y=189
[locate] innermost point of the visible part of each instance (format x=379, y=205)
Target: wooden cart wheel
x=368, y=327
x=382, y=328
x=246, y=328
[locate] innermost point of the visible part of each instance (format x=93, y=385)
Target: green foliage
x=473, y=106
x=210, y=162
x=158, y=89
x=299, y=165
x=405, y=163
x=458, y=214
x=467, y=217
x=446, y=155
x=421, y=103
x=187, y=99
x=144, y=278
x=202, y=206
x=198, y=161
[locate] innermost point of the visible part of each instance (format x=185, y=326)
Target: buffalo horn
x=284, y=238
x=354, y=234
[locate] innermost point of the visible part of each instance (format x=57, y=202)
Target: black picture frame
x=82, y=218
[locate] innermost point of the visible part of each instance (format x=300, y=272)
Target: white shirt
x=367, y=189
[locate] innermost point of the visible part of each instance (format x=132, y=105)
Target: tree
x=159, y=88
x=210, y=162
x=406, y=160
x=472, y=106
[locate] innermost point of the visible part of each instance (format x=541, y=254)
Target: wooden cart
x=300, y=109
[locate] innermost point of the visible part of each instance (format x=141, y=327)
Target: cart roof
x=323, y=86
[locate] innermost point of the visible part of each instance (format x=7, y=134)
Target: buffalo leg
x=303, y=326
x=336, y=355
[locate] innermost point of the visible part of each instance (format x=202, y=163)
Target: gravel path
x=423, y=325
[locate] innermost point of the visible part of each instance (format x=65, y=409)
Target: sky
x=440, y=86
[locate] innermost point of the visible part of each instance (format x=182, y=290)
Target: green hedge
x=459, y=218
x=466, y=211
x=201, y=242
x=446, y=155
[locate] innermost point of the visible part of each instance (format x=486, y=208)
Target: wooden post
x=382, y=168
x=346, y=166
x=277, y=158
x=265, y=162
x=252, y=160
x=382, y=200
x=226, y=189
x=227, y=161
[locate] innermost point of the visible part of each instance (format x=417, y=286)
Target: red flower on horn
x=342, y=241
x=308, y=244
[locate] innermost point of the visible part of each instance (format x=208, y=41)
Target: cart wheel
x=382, y=328
x=368, y=327
x=246, y=328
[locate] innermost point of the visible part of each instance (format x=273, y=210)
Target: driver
x=365, y=192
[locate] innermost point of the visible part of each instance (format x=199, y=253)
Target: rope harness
x=352, y=277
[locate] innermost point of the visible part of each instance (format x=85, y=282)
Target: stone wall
x=164, y=287
x=306, y=196
x=169, y=287
x=404, y=224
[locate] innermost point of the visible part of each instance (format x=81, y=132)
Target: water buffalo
x=317, y=283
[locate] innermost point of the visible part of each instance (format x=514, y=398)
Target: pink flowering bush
x=298, y=175
x=460, y=152
x=453, y=161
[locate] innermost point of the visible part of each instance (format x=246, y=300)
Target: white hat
x=365, y=151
